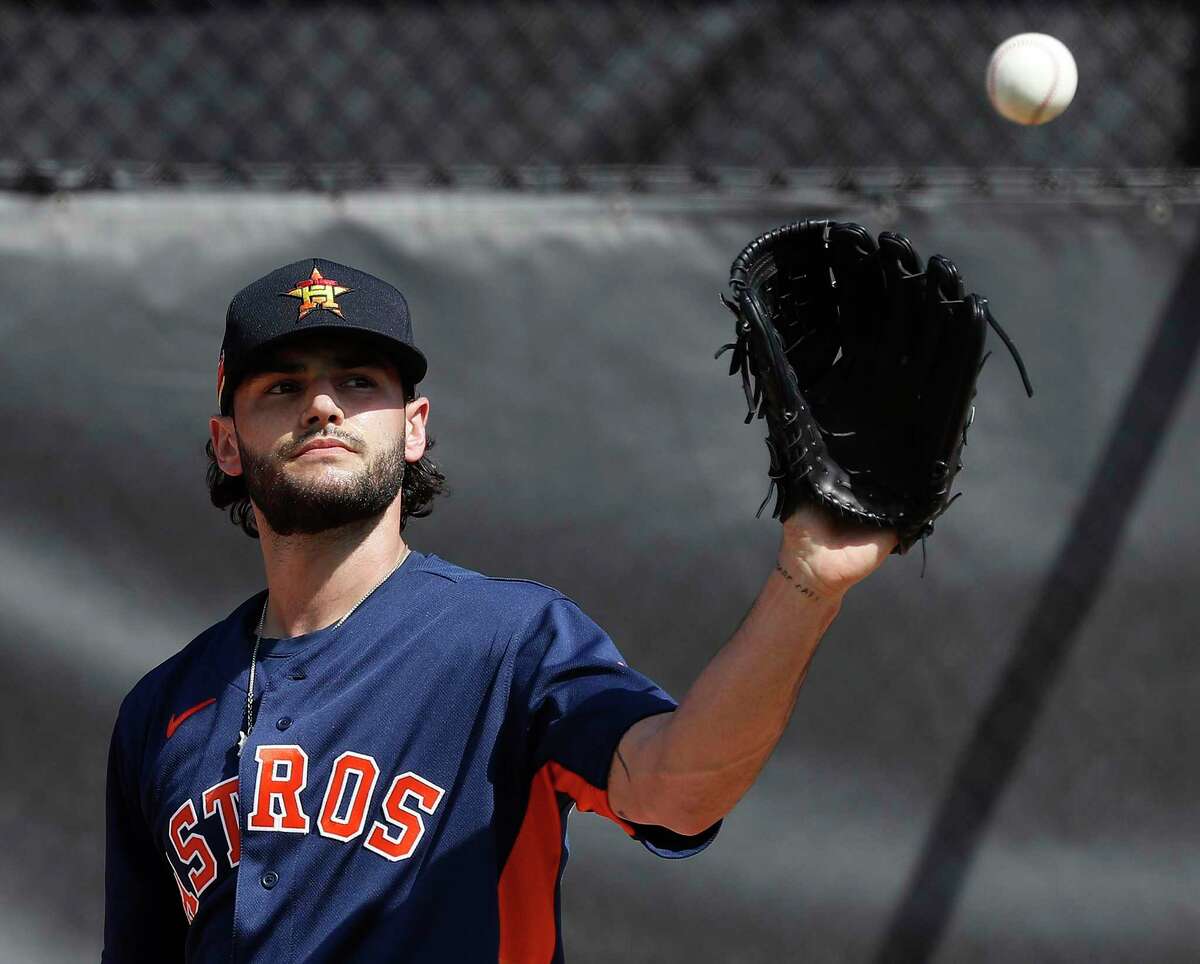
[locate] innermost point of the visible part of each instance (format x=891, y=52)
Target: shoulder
x=522, y=617
x=442, y=569
x=517, y=601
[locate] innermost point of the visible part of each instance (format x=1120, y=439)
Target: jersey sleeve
x=579, y=701
x=143, y=920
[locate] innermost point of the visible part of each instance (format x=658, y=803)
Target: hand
x=830, y=555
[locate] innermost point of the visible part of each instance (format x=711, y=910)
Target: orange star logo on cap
x=317, y=291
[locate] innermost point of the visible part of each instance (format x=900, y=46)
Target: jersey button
x=297, y=674
x=270, y=879
x=283, y=723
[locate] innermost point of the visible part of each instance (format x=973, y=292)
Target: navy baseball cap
x=312, y=295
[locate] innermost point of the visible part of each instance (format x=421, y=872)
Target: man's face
x=321, y=433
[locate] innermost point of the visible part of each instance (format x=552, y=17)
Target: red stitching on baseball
x=1053, y=83
x=1003, y=52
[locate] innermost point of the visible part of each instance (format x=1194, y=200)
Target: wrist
x=828, y=555
x=798, y=574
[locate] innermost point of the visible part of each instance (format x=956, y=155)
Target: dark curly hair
x=423, y=481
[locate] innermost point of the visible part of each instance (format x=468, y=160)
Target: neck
x=314, y=580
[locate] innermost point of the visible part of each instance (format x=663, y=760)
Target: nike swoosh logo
x=174, y=721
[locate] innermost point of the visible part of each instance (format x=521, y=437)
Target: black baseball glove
x=864, y=366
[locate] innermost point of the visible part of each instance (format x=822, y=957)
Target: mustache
x=346, y=439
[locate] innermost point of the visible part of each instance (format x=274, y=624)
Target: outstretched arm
x=685, y=770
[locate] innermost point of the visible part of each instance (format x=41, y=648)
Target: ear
x=225, y=445
x=416, y=413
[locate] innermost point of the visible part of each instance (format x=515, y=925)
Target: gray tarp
x=594, y=444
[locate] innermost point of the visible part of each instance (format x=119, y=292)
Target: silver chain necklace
x=248, y=718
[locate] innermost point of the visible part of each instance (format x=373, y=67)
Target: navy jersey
x=404, y=792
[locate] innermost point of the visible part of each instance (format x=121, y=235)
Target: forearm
x=687, y=769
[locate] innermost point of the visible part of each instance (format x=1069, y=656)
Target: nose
x=323, y=407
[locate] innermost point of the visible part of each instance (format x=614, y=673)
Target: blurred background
x=994, y=762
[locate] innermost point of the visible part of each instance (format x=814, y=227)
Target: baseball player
x=374, y=758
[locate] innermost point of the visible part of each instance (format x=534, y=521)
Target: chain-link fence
x=562, y=95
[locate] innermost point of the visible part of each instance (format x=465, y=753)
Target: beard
x=294, y=506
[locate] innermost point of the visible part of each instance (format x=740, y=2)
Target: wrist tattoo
x=800, y=586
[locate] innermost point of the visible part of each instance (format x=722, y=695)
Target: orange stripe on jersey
x=588, y=799
x=528, y=933
x=528, y=929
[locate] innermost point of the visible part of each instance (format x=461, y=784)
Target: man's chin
x=307, y=495
x=311, y=516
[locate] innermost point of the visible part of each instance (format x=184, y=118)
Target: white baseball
x=1031, y=78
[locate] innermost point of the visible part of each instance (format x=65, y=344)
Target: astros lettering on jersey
x=403, y=796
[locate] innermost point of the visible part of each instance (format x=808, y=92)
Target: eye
x=281, y=388
x=361, y=381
